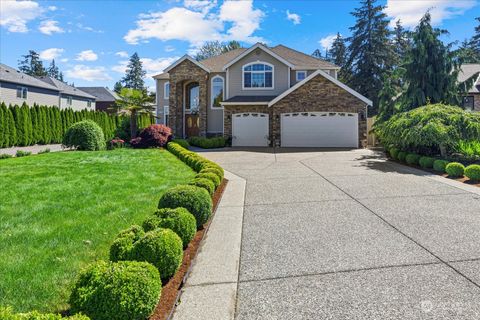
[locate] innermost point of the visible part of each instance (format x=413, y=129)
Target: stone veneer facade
x=318, y=94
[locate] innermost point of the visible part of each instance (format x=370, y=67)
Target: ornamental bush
x=195, y=199
x=178, y=220
x=182, y=142
x=455, y=169
x=122, y=246
x=153, y=136
x=412, y=158
x=207, y=143
x=21, y=153
x=84, y=135
x=6, y=313
x=204, y=183
x=473, y=172
x=210, y=176
x=210, y=169
x=394, y=153
x=402, y=155
x=117, y=290
x=426, y=162
x=440, y=165
x=162, y=248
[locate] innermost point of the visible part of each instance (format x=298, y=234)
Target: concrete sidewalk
x=33, y=149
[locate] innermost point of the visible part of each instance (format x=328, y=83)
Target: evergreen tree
x=370, y=53
x=11, y=137
x=3, y=121
x=28, y=124
x=134, y=74
x=401, y=42
x=317, y=54
x=35, y=129
x=475, y=41
x=338, y=51
x=118, y=87
x=54, y=72
x=32, y=65
x=48, y=127
x=19, y=125
x=469, y=50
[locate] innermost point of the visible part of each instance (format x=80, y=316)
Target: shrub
x=394, y=153
x=178, y=220
x=412, y=158
x=21, y=153
x=162, y=248
x=153, y=136
x=195, y=199
x=116, y=143
x=209, y=169
x=122, y=246
x=204, y=183
x=182, y=142
x=402, y=155
x=210, y=176
x=117, y=290
x=470, y=149
x=426, y=162
x=207, y=143
x=5, y=156
x=455, y=169
x=440, y=165
x=47, y=150
x=473, y=172
x=6, y=313
x=84, y=135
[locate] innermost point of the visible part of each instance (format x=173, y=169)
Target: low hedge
x=394, y=153
x=426, y=162
x=210, y=176
x=412, y=158
x=6, y=313
x=209, y=169
x=205, y=184
x=440, y=165
x=473, y=172
x=192, y=159
x=182, y=142
x=195, y=199
x=207, y=143
x=117, y=290
x=402, y=155
x=455, y=169
x=122, y=246
x=178, y=220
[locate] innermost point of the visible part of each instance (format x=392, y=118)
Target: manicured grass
x=61, y=211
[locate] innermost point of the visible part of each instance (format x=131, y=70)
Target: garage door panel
x=319, y=129
x=250, y=130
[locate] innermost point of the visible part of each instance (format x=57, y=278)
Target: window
x=166, y=114
x=22, y=92
x=257, y=76
x=192, y=96
x=166, y=90
x=217, y=92
x=467, y=103
x=69, y=101
x=301, y=75
x=89, y=104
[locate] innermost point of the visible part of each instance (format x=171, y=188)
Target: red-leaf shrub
x=153, y=136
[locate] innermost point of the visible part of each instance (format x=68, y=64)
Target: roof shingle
x=9, y=74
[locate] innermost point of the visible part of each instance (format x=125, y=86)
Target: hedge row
x=6, y=313
x=25, y=126
x=207, y=143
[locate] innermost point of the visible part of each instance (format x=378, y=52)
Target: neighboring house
x=262, y=96
x=71, y=97
x=472, y=100
x=104, y=98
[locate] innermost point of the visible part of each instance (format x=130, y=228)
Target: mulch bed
x=171, y=289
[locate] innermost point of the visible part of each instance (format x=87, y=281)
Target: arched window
x=217, y=91
x=258, y=75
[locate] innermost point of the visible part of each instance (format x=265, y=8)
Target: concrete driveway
x=349, y=235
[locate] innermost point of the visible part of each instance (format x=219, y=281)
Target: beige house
x=261, y=96
x=472, y=100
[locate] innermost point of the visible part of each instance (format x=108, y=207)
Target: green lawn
x=60, y=211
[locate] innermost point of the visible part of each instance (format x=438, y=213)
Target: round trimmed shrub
x=440, y=165
x=161, y=247
x=473, y=172
x=412, y=158
x=122, y=246
x=117, y=290
x=394, y=153
x=178, y=220
x=84, y=135
x=455, y=169
x=205, y=184
x=402, y=155
x=210, y=176
x=195, y=199
x=215, y=171
x=426, y=162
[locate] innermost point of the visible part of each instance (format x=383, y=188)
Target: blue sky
x=91, y=40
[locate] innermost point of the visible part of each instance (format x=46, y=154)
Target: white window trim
x=262, y=88
x=211, y=92
x=166, y=112
x=21, y=92
x=69, y=100
x=165, y=96
x=300, y=71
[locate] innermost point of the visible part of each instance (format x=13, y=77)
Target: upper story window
x=22, y=92
x=166, y=90
x=258, y=75
x=217, y=91
x=89, y=104
x=300, y=75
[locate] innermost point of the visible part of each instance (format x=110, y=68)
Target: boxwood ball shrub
x=394, y=153
x=204, y=183
x=455, y=169
x=84, y=135
x=178, y=220
x=195, y=199
x=402, y=155
x=209, y=169
x=426, y=162
x=6, y=313
x=412, y=158
x=117, y=290
x=473, y=172
x=440, y=165
x=122, y=246
x=161, y=247
x=210, y=176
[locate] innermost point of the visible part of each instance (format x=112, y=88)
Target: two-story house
x=261, y=96
x=471, y=101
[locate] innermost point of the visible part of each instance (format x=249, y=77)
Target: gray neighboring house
x=261, y=96
x=104, y=98
x=472, y=100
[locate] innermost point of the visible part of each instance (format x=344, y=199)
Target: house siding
x=214, y=115
x=40, y=96
x=78, y=103
x=293, y=75
x=161, y=101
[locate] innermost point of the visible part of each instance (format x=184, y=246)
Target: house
x=17, y=88
x=261, y=96
x=472, y=100
x=104, y=97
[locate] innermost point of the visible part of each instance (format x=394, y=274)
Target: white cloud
x=410, y=12
x=86, y=55
x=123, y=54
x=200, y=5
x=49, y=27
x=52, y=53
x=151, y=66
x=327, y=42
x=87, y=28
x=295, y=18
x=244, y=18
x=64, y=60
x=169, y=48
x=52, y=8
x=14, y=15
x=86, y=73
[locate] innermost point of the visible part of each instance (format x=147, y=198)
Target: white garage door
x=250, y=130
x=319, y=129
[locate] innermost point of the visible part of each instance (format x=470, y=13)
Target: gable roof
x=252, y=48
x=328, y=77
x=186, y=57
x=101, y=93
x=467, y=71
x=301, y=60
x=9, y=74
x=215, y=64
x=65, y=88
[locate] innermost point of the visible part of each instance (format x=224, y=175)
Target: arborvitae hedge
x=25, y=126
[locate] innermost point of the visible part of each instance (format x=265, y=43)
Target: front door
x=192, y=124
